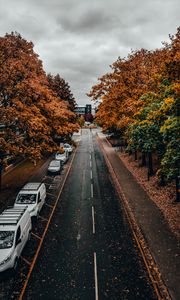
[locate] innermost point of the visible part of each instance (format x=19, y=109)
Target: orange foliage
x=30, y=110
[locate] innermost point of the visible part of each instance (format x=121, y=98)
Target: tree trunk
x=177, y=189
x=130, y=152
x=143, y=162
x=135, y=155
x=162, y=180
x=150, y=165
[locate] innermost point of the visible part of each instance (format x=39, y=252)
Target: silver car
x=62, y=156
x=55, y=167
x=68, y=147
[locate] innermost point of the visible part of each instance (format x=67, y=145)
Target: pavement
x=163, y=244
x=89, y=250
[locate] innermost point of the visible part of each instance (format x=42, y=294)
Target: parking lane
x=12, y=283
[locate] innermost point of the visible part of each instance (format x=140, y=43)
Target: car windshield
x=6, y=239
x=26, y=199
x=54, y=164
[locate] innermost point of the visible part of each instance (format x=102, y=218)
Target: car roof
x=31, y=186
x=55, y=161
x=11, y=216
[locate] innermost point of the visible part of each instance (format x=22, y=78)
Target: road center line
x=95, y=277
x=93, y=220
x=92, y=192
x=91, y=175
x=90, y=163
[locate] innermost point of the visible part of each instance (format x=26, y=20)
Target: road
x=89, y=251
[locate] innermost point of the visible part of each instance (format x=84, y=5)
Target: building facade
x=83, y=110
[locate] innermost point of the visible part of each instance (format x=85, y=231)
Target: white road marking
x=91, y=175
x=95, y=277
x=93, y=220
x=90, y=163
x=78, y=237
x=92, y=192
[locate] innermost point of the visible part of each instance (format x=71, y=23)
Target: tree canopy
x=31, y=112
x=140, y=97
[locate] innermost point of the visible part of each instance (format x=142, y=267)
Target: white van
x=15, y=230
x=33, y=194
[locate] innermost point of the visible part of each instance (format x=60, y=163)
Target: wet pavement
x=89, y=251
x=12, y=283
x=163, y=244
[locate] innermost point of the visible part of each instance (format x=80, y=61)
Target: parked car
x=62, y=156
x=87, y=123
x=55, y=167
x=33, y=194
x=15, y=230
x=68, y=147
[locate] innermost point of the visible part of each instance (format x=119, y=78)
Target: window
x=26, y=199
x=6, y=239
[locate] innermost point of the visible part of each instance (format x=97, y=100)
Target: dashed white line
x=95, y=277
x=91, y=174
x=93, y=220
x=90, y=163
x=92, y=192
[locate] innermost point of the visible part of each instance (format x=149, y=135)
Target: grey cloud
x=79, y=39
x=87, y=21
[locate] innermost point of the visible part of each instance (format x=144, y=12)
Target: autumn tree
x=62, y=90
x=170, y=164
x=119, y=92
x=29, y=109
x=140, y=98
x=21, y=75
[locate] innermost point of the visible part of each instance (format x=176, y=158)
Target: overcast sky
x=79, y=39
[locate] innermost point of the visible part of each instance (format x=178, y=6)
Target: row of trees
x=35, y=108
x=140, y=99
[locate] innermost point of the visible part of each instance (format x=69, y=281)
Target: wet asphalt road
x=89, y=251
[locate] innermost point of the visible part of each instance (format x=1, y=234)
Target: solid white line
x=91, y=175
x=95, y=277
x=93, y=220
x=92, y=194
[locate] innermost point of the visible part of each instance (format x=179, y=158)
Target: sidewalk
x=164, y=246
